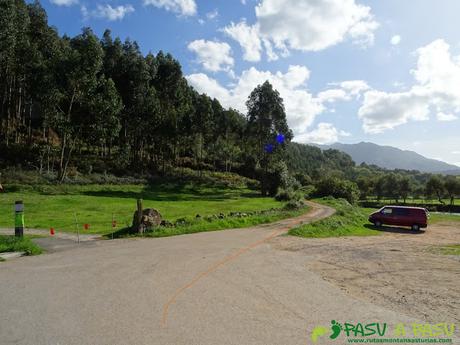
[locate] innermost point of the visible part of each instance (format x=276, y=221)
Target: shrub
x=288, y=195
x=293, y=205
x=308, y=191
x=337, y=188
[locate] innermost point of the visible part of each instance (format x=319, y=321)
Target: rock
x=198, y=216
x=181, y=221
x=166, y=223
x=150, y=219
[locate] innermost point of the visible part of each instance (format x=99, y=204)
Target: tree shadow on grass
x=119, y=233
x=175, y=193
x=160, y=196
x=394, y=230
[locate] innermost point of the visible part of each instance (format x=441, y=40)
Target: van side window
x=387, y=210
x=401, y=212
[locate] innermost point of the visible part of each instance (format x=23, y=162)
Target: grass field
x=15, y=244
x=348, y=221
x=443, y=217
x=451, y=250
x=56, y=206
x=202, y=225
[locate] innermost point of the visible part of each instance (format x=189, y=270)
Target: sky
x=348, y=71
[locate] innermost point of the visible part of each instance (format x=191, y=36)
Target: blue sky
x=349, y=70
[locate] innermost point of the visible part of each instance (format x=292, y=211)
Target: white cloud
x=210, y=86
x=437, y=77
x=344, y=91
x=181, y=7
x=382, y=111
x=306, y=25
x=214, y=56
x=313, y=25
x=446, y=117
x=324, y=133
x=301, y=106
x=64, y=2
x=248, y=37
x=212, y=15
x=333, y=95
x=108, y=12
x=395, y=40
x=354, y=87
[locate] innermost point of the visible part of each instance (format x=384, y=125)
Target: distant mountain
x=393, y=158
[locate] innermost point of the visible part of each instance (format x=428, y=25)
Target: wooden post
x=113, y=224
x=77, y=228
x=140, y=210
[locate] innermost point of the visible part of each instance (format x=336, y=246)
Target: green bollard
x=19, y=219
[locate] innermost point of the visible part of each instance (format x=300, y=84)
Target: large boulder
x=150, y=218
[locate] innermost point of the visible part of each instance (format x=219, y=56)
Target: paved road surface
x=225, y=287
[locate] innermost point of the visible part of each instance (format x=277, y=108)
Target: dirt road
x=244, y=286
x=402, y=269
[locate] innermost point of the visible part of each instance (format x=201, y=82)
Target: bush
x=337, y=188
x=18, y=244
x=277, y=178
x=288, y=195
x=308, y=191
x=303, y=179
x=293, y=205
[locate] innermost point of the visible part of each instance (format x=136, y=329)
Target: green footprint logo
x=318, y=332
x=336, y=329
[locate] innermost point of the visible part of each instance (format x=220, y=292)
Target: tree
x=365, y=185
x=102, y=125
x=175, y=99
x=337, y=188
x=392, y=186
x=201, y=124
x=405, y=187
x=266, y=119
x=379, y=187
x=452, y=187
x=435, y=186
x=81, y=62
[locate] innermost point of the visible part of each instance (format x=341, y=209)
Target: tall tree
x=81, y=63
x=266, y=120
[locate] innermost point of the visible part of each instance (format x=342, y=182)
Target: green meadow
x=349, y=220
x=62, y=207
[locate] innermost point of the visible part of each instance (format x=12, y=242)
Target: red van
x=415, y=217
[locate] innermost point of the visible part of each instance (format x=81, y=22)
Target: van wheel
x=416, y=227
x=378, y=223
